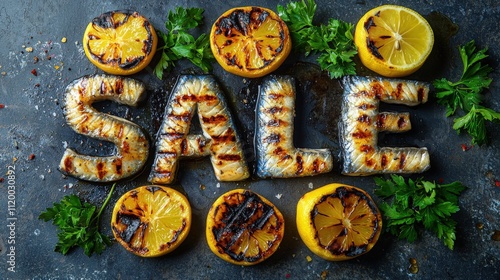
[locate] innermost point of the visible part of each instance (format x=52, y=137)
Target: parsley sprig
x=419, y=203
x=180, y=44
x=332, y=42
x=78, y=224
x=466, y=94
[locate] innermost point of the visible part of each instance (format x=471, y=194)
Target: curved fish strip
x=361, y=122
x=276, y=155
x=219, y=139
x=132, y=144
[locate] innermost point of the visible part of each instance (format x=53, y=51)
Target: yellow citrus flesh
x=244, y=228
x=338, y=222
x=250, y=41
x=151, y=221
x=393, y=41
x=120, y=42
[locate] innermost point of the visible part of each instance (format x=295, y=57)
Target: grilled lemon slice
x=120, y=42
x=244, y=228
x=393, y=41
x=338, y=222
x=151, y=221
x=250, y=41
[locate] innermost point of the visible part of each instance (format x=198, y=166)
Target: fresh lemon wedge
x=393, y=41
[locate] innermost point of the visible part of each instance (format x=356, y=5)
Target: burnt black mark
x=68, y=164
x=229, y=157
x=402, y=161
x=420, y=94
x=101, y=170
x=366, y=106
x=132, y=224
x=361, y=134
x=366, y=148
x=399, y=90
x=273, y=138
x=242, y=212
x=369, y=23
x=373, y=49
x=214, y=119
x=364, y=119
x=239, y=20
x=380, y=122
x=383, y=161
x=118, y=165
x=281, y=153
x=300, y=165
x=377, y=90
x=154, y=189
x=401, y=122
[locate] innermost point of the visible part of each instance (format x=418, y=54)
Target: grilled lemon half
x=120, y=42
x=250, y=41
x=244, y=228
x=151, y=221
x=393, y=41
x=338, y=222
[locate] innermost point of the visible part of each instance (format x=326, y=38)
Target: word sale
x=276, y=155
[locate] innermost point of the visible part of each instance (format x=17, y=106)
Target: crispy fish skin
x=276, y=155
x=132, y=144
x=361, y=121
x=219, y=139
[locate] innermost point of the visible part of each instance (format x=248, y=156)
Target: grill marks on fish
x=276, y=155
x=219, y=140
x=132, y=144
x=361, y=121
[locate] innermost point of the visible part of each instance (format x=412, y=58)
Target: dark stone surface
x=32, y=123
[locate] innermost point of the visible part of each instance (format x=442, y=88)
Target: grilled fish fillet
x=219, y=139
x=276, y=155
x=132, y=144
x=361, y=122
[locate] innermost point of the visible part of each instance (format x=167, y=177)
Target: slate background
x=32, y=123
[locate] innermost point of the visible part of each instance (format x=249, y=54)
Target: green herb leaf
x=333, y=42
x=408, y=205
x=78, y=224
x=474, y=123
x=180, y=44
x=466, y=94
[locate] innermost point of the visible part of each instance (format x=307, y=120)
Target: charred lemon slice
x=120, y=42
x=250, y=41
x=244, y=228
x=338, y=222
x=393, y=41
x=151, y=221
